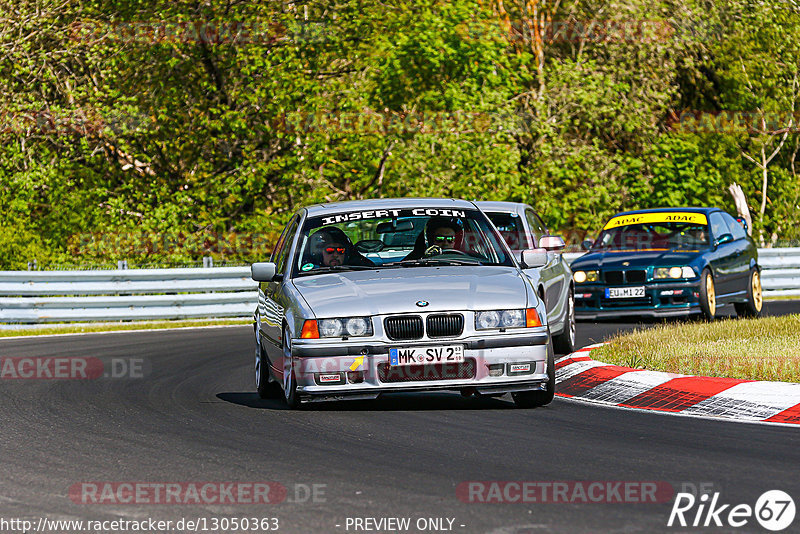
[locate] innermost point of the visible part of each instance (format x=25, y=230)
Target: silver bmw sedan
x=399, y=295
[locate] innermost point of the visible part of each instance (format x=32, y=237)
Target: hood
x=361, y=293
x=640, y=259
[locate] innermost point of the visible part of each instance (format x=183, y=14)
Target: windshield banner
x=661, y=217
x=377, y=214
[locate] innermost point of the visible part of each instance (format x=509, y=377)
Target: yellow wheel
x=755, y=297
x=708, y=295
x=755, y=287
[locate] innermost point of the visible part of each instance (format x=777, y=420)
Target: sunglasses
x=331, y=250
x=444, y=238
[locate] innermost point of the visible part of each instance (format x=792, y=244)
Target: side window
x=543, y=226
x=511, y=228
x=718, y=225
x=284, y=244
x=278, y=247
x=536, y=225
x=733, y=225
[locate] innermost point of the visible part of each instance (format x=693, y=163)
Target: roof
x=387, y=203
x=504, y=207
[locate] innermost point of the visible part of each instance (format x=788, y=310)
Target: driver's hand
x=433, y=250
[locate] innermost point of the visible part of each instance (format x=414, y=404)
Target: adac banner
x=660, y=217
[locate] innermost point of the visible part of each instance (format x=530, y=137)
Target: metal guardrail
x=125, y=294
x=780, y=270
x=780, y=275
x=188, y=293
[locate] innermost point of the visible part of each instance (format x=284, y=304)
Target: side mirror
x=551, y=242
x=743, y=222
x=263, y=272
x=533, y=258
x=724, y=238
x=587, y=244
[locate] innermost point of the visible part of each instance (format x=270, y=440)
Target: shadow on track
x=405, y=402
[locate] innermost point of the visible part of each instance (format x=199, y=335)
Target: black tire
x=708, y=295
x=533, y=399
x=291, y=396
x=267, y=387
x=564, y=343
x=755, y=297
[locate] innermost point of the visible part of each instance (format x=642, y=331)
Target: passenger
x=330, y=247
x=333, y=254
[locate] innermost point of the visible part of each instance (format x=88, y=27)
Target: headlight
x=674, y=272
x=487, y=320
x=512, y=318
x=330, y=328
x=345, y=326
x=356, y=326
x=585, y=276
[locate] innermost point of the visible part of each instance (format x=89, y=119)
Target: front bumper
x=662, y=299
x=363, y=366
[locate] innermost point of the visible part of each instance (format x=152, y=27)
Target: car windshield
x=653, y=236
x=397, y=238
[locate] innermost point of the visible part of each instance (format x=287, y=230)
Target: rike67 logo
x=774, y=510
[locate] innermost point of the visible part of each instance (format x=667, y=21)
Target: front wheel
x=267, y=389
x=755, y=299
x=532, y=399
x=564, y=343
x=708, y=295
x=289, y=379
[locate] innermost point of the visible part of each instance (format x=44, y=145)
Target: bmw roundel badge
x=422, y=303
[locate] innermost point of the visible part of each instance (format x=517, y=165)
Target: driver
x=698, y=235
x=441, y=235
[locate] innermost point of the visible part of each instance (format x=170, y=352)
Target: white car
x=522, y=228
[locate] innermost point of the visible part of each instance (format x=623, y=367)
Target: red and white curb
x=579, y=376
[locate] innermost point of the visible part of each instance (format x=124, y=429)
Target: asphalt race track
x=194, y=417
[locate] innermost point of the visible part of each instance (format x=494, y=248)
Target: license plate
x=426, y=355
x=624, y=292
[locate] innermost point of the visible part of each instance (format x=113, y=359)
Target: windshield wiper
x=438, y=261
x=337, y=268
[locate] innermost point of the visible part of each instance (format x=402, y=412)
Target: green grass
x=113, y=327
x=754, y=349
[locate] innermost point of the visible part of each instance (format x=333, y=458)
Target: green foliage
x=685, y=174
x=130, y=135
